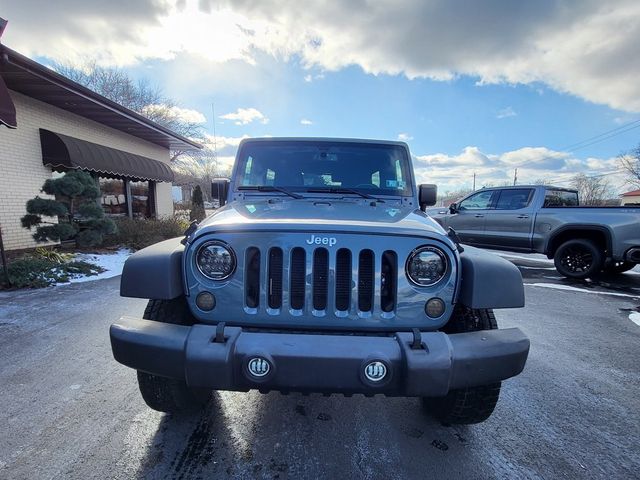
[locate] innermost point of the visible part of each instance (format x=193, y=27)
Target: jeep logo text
x=331, y=241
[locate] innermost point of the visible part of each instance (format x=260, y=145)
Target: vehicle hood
x=313, y=215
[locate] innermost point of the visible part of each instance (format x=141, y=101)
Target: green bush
x=38, y=271
x=140, y=233
x=75, y=206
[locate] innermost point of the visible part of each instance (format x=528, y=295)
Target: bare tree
x=139, y=96
x=449, y=197
x=594, y=190
x=541, y=181
x=630, y=163
x=199, y=169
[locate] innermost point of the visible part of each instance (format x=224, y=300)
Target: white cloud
x=244, y=116
x=404, y=137
x=506, y=112
x=223, y=145
x=585, y=49
x=182, y=114
x=188, y=115
x=306, y=121
x=310, y=78
x=455, y=172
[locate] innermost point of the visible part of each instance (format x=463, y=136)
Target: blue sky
x=480, y=89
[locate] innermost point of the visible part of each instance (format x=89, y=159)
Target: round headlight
x=426, y=266
x=216, y=260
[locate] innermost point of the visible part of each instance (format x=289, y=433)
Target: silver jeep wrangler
x=321, y=273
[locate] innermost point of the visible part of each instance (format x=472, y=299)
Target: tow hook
x=417, y=343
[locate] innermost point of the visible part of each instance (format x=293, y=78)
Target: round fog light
x=206, y=301
x=258, y=366
x=375, y=371
x=434, y=308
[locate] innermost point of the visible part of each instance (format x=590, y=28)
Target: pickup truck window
x=301, y=166
x=560, y=198
x=514, y=199
x=478, y=201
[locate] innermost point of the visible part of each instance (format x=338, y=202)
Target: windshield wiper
x=344, y=190
x=270, y=188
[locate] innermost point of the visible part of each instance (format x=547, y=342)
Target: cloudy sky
x=550, y=87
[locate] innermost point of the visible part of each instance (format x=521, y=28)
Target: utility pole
x=474, y=181
x=515, y=177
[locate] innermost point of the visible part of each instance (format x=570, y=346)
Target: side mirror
x=453, y=208
x=427, y=196
x=220, y=190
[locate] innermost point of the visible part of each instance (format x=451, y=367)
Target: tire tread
x=466, y=405
x=167, y=394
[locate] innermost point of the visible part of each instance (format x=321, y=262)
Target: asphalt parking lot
x=70, y=411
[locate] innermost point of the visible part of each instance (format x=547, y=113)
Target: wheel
x=579, y=258
x=466, y=405
x=168, y=394
x=618, y=267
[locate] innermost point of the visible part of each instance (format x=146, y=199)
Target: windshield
x=307, y=166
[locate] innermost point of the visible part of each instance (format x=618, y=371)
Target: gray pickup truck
x=321, y=273
x=583, y=241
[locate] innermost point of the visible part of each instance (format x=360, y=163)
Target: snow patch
x=635, y=318
x=537, y=268
x=533, y=257
x=581, y=290
x=112, y=263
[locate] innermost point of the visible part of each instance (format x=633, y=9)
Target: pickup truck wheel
x=579, y=258
x=619, y=267
x=466, y=405
x=167, y=394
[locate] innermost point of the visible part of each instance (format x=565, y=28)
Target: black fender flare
x=489, y=281
x=578, y=227
x=154, y=272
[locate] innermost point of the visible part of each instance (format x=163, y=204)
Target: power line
x=568, y=180
x=590, y=141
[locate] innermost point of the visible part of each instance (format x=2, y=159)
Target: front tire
x=466, y=405
x=578, y=258
x=170, y=395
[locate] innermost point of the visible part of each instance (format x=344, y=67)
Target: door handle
x=523, y=216
x=478, y=215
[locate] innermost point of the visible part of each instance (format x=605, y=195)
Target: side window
x=478, y=201
x=514, y=199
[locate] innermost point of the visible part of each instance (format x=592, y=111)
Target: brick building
x=49, y=124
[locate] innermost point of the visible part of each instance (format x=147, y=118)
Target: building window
x=113, y=196
x=140, y=199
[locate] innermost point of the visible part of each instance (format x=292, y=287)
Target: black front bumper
x=318, y=362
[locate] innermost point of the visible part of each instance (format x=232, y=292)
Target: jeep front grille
x=365, y=281
x=320, y=280
x=252, y=277
x=275, y=278
x=297, y=278
x=343, y=280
